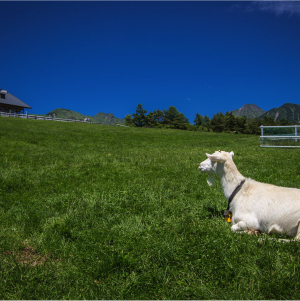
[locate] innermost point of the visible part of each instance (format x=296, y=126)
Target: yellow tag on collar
x=228, y=217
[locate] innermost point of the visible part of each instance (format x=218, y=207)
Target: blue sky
x=198, y=56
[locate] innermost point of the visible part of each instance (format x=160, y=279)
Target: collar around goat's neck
x=235, y=191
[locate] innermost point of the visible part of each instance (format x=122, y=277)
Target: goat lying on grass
x=253, y=205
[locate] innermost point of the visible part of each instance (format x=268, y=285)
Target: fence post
x=262, y=134
x=296, y=134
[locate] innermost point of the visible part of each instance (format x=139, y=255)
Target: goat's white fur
x=257, y=206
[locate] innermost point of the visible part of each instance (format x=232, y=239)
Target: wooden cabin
x=11, y=104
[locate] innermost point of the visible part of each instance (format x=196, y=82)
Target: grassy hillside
x=102, y=118
x=96, y=212
x=66, y=114
x=289, y=111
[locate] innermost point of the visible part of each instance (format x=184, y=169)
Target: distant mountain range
x=102, y=118
x=289, y=111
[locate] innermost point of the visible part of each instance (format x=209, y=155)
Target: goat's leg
x=297, y=237
x=240, y=226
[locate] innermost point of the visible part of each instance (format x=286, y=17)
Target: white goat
x=254, y=206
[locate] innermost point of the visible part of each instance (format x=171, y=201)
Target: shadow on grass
x=213, y=212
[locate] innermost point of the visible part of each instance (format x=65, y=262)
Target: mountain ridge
x=102, y=118
x=289, y=111
x=249, y=110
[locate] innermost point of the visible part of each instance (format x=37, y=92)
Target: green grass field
x=101, y=212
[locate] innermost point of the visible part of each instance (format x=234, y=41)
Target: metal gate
x=280, y=136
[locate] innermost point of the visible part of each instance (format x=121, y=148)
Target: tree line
x=220, y=123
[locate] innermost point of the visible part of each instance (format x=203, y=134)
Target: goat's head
x=214, y=163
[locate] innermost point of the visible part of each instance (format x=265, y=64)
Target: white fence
x=280, y=136
x=37, y=117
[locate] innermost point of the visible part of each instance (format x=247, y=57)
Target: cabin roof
x=13, y=101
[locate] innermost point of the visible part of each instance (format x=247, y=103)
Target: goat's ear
x=231, y=154
x=215, y=158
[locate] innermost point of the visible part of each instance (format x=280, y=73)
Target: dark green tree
x=217, y=123
x=150, y=120
x=254, y=126
x=267, y=120
x=206, y=122
x=139, y=117
x=181, y=122
x=170, y=115
x=284, y=121
x=242, y=125
x=174, y=119
x=159, y=116
x=128, y=120
x=230, y=122
x=199, y=120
